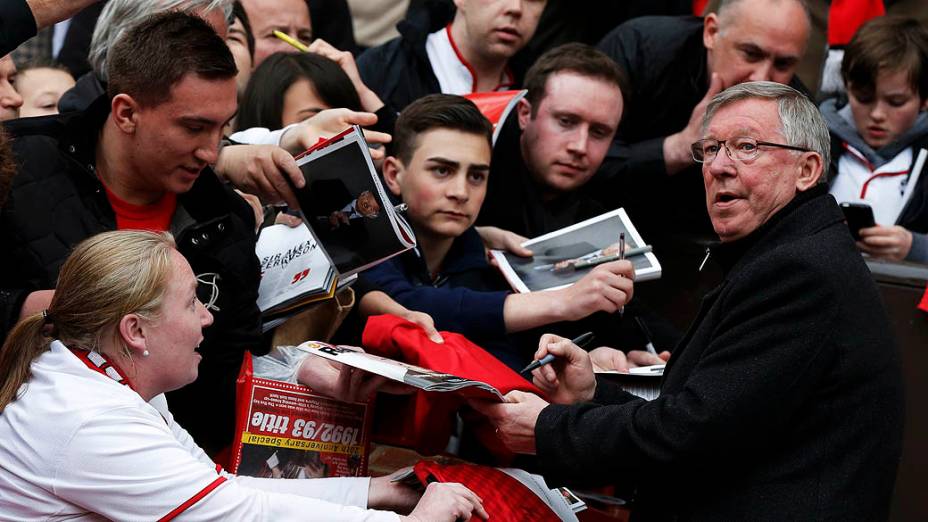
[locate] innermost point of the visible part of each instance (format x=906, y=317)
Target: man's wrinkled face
x=499, y=28
x=756, y=40
x=10, y=100
x=565, y=141
x=367, y=205
x=742, y=195
x=175, y=140
x=287, y=16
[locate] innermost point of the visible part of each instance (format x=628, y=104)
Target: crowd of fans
x=138, y=169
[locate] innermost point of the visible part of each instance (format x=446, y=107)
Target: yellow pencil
x=292, y=41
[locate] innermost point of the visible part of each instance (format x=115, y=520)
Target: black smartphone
x=858, y=216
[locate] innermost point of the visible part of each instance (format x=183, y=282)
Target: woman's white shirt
x=78, y=445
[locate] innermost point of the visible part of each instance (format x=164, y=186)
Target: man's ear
x=710, y=30
x=132, y=331
x=524, y=111
x=811, y=168
x=125, y=113
x=392, y=170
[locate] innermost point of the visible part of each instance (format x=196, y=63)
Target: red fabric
x=699, y=6
x=846, y=16
x=504, y=498
x=427, y=419
x=156, y=217
x=924, y=304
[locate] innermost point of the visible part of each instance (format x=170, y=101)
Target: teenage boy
x=879, y=136
x=441, y=167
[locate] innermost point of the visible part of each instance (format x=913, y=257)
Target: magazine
x=415, y=376
x=345, y=206
x=294, y=270
x=564, y=256
x=285, y=430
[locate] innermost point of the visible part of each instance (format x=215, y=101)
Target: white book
x=294, y=270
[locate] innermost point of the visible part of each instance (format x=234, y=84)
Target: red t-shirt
x=155, y=217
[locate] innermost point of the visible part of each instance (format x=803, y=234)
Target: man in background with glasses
x=784, y=401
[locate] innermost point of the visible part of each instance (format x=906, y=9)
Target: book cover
x=345, y=206
x=584, y=241
x=285, y=430
x=294, y=270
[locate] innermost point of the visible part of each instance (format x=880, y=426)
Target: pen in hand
x=580, y=340
x=649, y=346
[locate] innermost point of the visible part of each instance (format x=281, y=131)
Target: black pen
x=649, y=346
x=581, y=341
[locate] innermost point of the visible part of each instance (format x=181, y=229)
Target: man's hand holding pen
x=569, y=378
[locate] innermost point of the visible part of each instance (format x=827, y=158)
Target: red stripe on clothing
x=863, y=190
x=192, y=500
x=454, y=47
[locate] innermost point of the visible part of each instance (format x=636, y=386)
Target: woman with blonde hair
x=87, y=434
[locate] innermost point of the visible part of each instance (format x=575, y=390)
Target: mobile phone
x=858, y=216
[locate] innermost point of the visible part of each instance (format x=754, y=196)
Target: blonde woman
x=86, y=431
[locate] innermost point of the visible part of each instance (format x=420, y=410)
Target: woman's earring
x=145, y=353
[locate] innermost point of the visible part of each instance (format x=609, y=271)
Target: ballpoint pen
x=621, y=246
x=581, y=341
x=649, y=346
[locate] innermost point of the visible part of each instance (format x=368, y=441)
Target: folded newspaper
x=415, y=376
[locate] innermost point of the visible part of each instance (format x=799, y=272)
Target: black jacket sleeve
x=753, y=373
x=16, y=24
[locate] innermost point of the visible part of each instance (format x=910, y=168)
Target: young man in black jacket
x=139, y=158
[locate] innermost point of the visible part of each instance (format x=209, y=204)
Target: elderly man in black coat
x=784, y=400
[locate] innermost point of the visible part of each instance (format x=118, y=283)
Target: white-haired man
x=784, y=399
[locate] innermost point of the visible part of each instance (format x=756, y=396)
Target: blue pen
x=581, y=341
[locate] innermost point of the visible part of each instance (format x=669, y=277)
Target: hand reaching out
x=447, y=502
x=677, y=154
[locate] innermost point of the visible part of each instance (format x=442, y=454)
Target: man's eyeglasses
x=743, y=149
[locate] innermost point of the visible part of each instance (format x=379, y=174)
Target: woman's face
x=172, y=338
x=41, y=88
x=300, y=102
